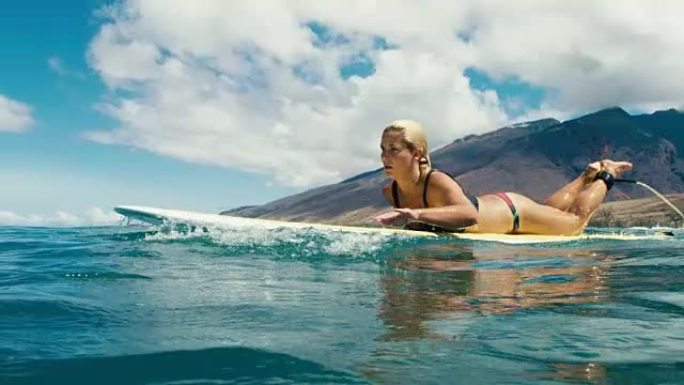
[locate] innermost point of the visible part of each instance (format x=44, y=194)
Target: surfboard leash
x=656, y=193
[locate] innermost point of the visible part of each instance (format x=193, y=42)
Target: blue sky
x=134, y=104
x=52, y=167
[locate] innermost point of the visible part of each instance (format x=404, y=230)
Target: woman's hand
x=397, y=216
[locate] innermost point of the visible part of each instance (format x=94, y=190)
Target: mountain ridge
x=533, y=158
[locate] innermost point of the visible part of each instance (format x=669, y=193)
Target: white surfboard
x=157, y=216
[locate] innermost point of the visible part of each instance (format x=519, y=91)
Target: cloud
x=14, y=116
x=300, y=90
x=92, y=217
x=591, y=54
x=56, y=65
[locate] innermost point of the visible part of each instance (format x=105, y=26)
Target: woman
x=420, y=193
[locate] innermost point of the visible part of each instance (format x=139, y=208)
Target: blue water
x=131, y=305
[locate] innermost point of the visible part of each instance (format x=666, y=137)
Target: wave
x=30, y=312
x=285, y=242
x=227, y=365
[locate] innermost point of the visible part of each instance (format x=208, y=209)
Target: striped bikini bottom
x=509, y=202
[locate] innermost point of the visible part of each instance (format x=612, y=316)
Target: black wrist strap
x=606, y=177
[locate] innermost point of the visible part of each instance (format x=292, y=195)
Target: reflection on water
x=590, y=372
x=424, y=285
x=446, y=282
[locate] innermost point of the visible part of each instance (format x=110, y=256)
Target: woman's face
x=396, y=157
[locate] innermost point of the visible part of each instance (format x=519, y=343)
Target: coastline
x=648, y=212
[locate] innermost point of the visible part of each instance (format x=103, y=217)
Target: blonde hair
x=414, y=137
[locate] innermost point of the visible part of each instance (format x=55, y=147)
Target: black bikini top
x=395, y=191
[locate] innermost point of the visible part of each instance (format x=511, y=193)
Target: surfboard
x=159, y=216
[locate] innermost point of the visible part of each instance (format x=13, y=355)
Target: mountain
x=533, y=158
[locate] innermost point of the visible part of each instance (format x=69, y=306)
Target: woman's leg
x=541, y=219
x=536, y=218
x=566, y=195
x=591, y=197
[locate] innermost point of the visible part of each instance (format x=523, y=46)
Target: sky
x=216, y=104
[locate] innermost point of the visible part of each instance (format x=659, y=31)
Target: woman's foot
x=616, y=169
x=591, y=171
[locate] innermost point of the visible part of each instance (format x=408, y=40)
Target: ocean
x=135, y=305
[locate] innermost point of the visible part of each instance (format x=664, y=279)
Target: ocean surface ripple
x=140, y=305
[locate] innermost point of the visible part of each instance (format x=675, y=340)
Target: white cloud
x=56, y=65
x=251, y=86
x=14, y=116
x=92, y=217
x=593, y=54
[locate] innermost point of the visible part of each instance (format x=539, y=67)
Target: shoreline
x=647, y=212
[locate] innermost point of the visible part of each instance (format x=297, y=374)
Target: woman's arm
x=453, y=216
x=450, y=207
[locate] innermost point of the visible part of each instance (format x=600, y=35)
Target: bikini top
x=395, y=191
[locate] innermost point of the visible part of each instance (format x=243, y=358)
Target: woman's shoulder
x=440, y=176
x=443, y=180
x=387, y=190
